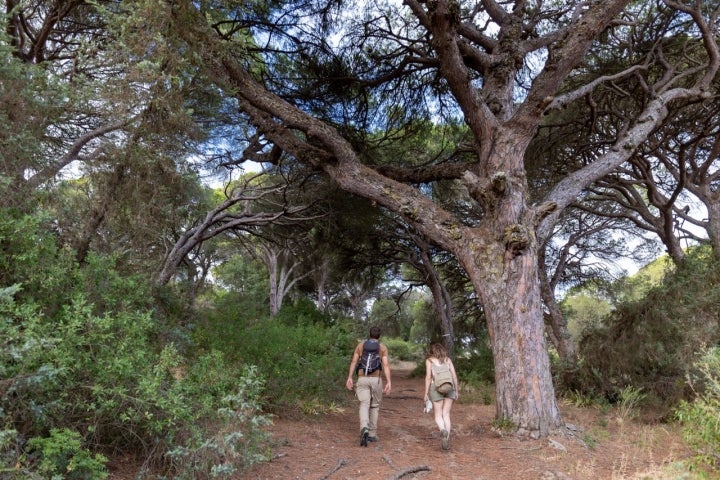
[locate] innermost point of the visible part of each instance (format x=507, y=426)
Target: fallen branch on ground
x=339, y=465
x=419, y=468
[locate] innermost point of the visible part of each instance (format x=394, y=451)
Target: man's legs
x=376, y=397
x=369, y=393
x=363, y=392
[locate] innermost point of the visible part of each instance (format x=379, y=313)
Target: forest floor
x=598, y=445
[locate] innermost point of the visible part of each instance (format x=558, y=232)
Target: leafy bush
x=61, y=455
x=83, y=350
x=302, y=312
x=301, y=360
x=30, y=258
x=399, y=349
x=630, y=399
x=648, y=343
x=700, y=417
x=239, y=438
x=104, y=376
x=94, y=374
x=476, y=368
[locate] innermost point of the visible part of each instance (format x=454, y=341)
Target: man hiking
x=369, y=360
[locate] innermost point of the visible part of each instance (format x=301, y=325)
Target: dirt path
x=326, y=447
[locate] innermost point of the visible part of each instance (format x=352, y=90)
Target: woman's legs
x=446, y=407
x=442, y=408
x=442, y=419
x=438, y=411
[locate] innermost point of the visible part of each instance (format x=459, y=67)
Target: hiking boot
x=445, y=439
x=364, y=434
x=372, y=439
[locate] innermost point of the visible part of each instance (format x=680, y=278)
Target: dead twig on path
x=341, y=463
x=522, y=449
x=407, y=471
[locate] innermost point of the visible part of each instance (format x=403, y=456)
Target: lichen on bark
x=516, y=238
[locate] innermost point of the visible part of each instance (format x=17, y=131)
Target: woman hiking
x=437, y=365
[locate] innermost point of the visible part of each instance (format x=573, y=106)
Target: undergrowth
x=700, y=417
x=648, y=344
x=89, y=366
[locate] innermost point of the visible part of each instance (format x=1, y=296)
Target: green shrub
x=300, y=313
x=629, y=401
x=402, y=350
x=105, y=376
x=476, y=368
x=84, y=350
x=94, y=374
x=700, y=417
x=648, y=343
x=300, y=360
x=238, y=438
x=31, y=259
x=61, y=455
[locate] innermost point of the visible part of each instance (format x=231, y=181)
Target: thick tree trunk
x=502, y=261
x=510, y=291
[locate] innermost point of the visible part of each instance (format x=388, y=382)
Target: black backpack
x=370, y=358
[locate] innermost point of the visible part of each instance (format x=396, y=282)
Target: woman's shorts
x=436, y=396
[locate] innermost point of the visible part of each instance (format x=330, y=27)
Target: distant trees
x=246, y=206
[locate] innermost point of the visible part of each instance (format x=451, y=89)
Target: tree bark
x=511, y=296
x=224, y=217
x=713, y=223
x=280, y=265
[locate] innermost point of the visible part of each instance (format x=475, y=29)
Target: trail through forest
x=599, y=445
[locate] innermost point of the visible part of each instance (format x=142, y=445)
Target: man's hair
x=375, y=332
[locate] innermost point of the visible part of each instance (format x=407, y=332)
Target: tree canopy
x=157, y=91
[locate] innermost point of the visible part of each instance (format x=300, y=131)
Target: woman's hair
x=438, y=351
